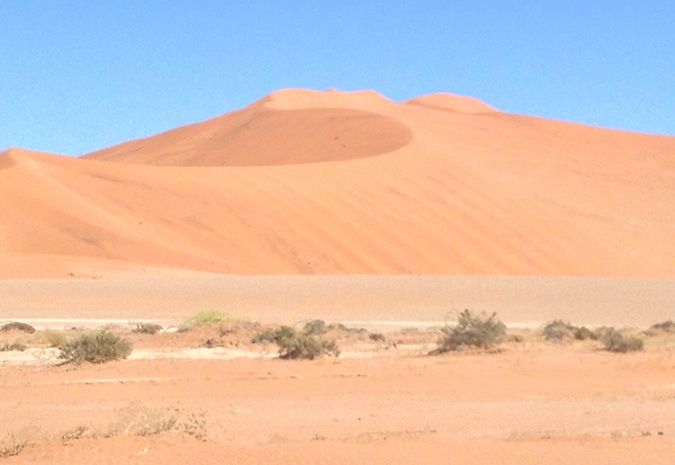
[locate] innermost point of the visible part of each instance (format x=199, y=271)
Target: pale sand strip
x=171, y=296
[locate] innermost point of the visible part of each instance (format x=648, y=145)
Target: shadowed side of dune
x=6, y=160
x=256, y=137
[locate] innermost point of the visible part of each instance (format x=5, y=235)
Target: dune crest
x=307, y=182
x=452, y=102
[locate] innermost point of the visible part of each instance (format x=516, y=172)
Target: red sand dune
x=332, y=182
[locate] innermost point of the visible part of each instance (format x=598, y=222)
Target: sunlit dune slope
x=332, y=182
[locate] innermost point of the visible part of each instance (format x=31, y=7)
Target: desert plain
x=378, y=217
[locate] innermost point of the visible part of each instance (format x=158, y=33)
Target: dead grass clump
x=143, y=421
x=75, y=433
x=15, y=346
x=17, y=326
x=146, y=328
x=54, y=339
x=478, y=331
x=99, y=347
x=11, y=446
x=614, y=341
x=297, y=345
x=138, y=420
x=559, y=331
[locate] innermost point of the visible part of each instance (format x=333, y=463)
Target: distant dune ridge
x=306, y=182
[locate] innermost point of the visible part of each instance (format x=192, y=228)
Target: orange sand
x=308, y=182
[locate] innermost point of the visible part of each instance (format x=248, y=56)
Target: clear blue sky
x=81, y=75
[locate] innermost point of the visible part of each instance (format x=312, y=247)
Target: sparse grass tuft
x=11, y=446
x=99, y=347
x=298, y=345
x=614, y=341
x=145, y=328
x=479, y=331
x=206, y=317
x=54, y=339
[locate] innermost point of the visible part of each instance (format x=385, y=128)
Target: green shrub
x=479, y=331
x=146, y=328
x=614, y=341
x=99, y=347
x=298, y=344
x=559, y=330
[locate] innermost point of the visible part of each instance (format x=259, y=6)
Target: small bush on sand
x=16, y=326
x=376, y=337
x=298, y=344
x=99, y=347
x=11, y=446
x=16, y=346
x=479, y=331
x=559, y=330
x=204, y=318
x=667, y=327
x=614, y=341
x=146, y=328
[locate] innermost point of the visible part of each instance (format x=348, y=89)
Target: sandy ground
x=545, y=404
x=171, y=296
x=350, y=208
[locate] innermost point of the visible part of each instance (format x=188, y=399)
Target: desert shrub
x=11, y=446
x=479, y=331
x=376, y=337
x=614, y=341
x=146, y=328
x=17, y=326
x=14, y=346
x=663, y=327
x=516, y=338
x=314, y=327
x=99, y=347
x=206, y=317
x=582, y=333
x=298, y=344
x=266, y=336
x=559, y=330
